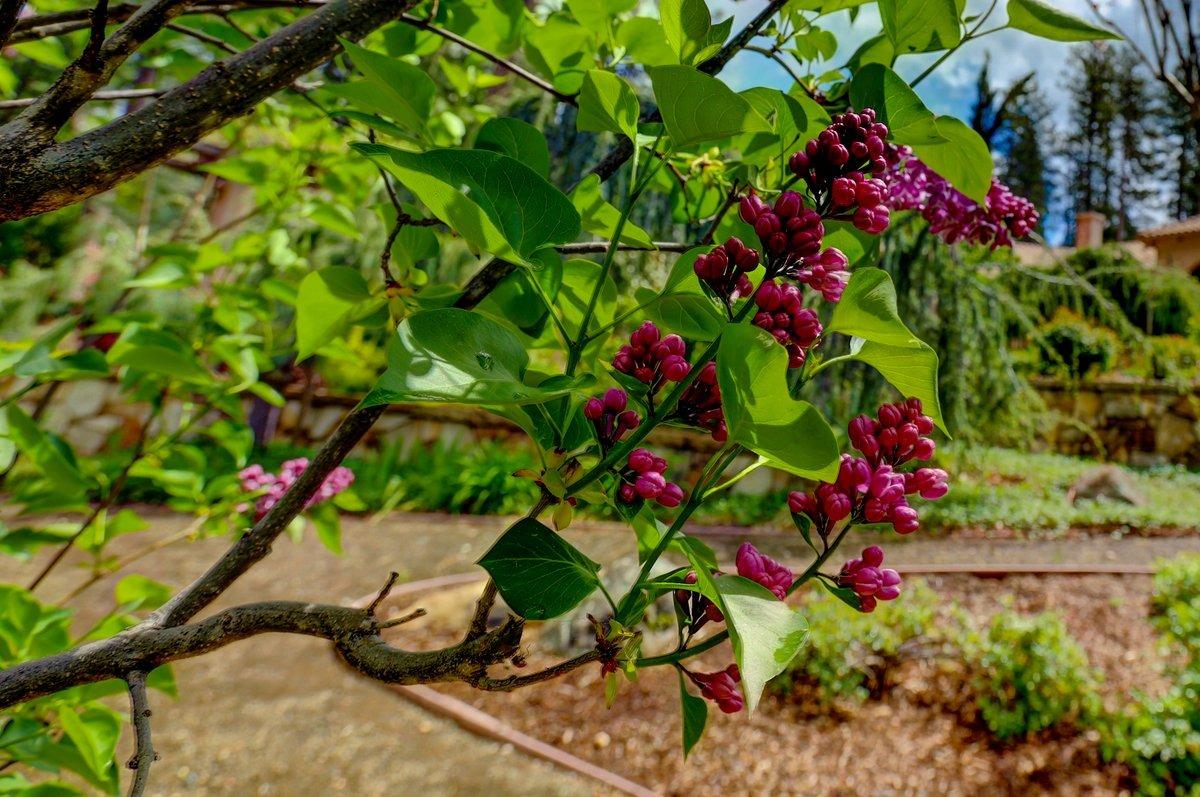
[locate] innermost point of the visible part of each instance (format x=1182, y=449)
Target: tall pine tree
x=1113, y=128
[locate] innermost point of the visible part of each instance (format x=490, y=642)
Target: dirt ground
x=278, y=715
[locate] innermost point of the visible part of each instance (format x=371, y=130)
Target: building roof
x=1034, y=254
x=1188, y=226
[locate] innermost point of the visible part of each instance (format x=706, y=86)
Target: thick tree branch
x=353, y=631
x=256, y=543
x=139, y=714
x=38, y=176
x=10, y=13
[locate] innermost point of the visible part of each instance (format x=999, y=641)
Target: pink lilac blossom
x=951, y=214
x=255, y=479
x=721, y=688
x=764, y=570
x=868, y=578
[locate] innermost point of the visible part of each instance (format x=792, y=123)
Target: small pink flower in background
x=273, y=487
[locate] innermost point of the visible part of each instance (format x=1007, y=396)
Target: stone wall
x=1139, y=423
x=1135, y=423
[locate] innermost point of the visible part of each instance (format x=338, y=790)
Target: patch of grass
x=1002, y=488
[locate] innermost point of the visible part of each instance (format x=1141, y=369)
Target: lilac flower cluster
x=781, y=312
x=609, y=417
x=952, y=215
x=870, y=489
x=651, y=358
x=700, y=404
x=721, y=688
x=868, y=578
x=255, y=479
x=643, y=478
x=724, y=269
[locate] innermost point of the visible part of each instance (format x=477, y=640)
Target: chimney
x=1089, y=229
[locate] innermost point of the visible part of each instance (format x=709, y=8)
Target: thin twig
x=595, y=247
x=99, y=96
x=91, y=51
x=139, y=714
x=517, y=681
x=207, y=38
x=383, y=593
x=407, y=618
x=466, y=44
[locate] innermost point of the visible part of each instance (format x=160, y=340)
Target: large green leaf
x=561, y=49
x=697, y=108
x=689, y=29
x=494, y=25
x=912, y=370
x=868, y=313
x=766, y=635
x=327, y=303
x=402, y=92
x=538, y=573
x=918, y=26
x=868, y=310
x=761, y=414
x=607, y=103
x=599, y=216
x=1034, y=16
x=645, y=42
x=516, y=139
x=962, y=157
x=497, y=204
x=458, y=356
x=898, y=106
x=94, y=731
x=48, y=454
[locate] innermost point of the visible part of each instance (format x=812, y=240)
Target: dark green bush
x=1175, y=604
x=848, y=653
x=1076, y=348
x=1028, y=674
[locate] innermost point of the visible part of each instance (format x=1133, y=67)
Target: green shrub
x=1076, y=347
x=1160, y=739
x=1028, y=674
x=1173, y=356
x=1175, y=604
x=848, y=653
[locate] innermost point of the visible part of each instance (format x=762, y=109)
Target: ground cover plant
x=774, y=284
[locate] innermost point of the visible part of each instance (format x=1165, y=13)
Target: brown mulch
x=921, y=736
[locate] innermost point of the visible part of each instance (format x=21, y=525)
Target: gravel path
x=277, y=715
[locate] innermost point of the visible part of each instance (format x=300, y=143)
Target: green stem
x=663, y=410
x=712, y=471
x=676, y=656
x=638, y=184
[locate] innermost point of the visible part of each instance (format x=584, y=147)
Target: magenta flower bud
x=908, y=435
x=649, y=485
x=801, y=503
x=924, y=424
x=641, y=460
x=764, y=570
x=788, y=204
x=836, y=506
x=904, y=518
x=843, y=192
x=872, y=556
x=671, y=495
x=750, y=207
x=627, y=493
x=768, y=296
x=659, y=465
x=593, y=409
x=924, y=449
x=675, y=368
x=721, y=688
x=875, y=511
x=890, y=415
x=628, y=420
x=615, y=400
